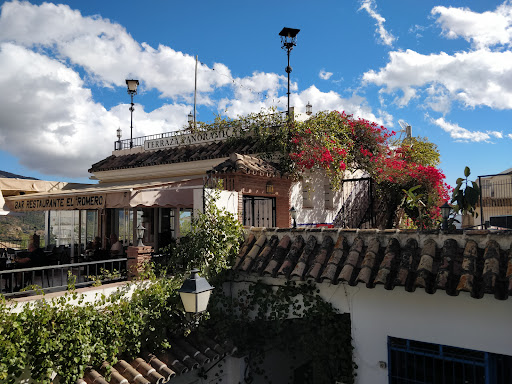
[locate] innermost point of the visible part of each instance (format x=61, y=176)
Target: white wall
x=460, y=321
x=376, y=313
x=318, y=214
x=228, y=200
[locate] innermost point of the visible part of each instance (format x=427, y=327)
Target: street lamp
x=309, y=109
x=119, y=138
x=132, y=90
x=293, y=213
x=140, y=234
x=288, y=41
x=195, y=293
x=445, y=212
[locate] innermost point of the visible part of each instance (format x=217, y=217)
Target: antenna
x=405, y=128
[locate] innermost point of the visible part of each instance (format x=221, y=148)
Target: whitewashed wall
x=227, y=200
x=318, y=213
x=461, y=321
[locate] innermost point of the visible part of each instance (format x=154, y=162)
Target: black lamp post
x=293, y=213
x=195, y=293
x=132, y=90
x=445, y=212
x=288, y=41
x=119, y=138
x=140, y=234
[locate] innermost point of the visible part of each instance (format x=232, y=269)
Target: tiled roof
x=246, y=164
x=176, y=155
x=186, y=354
x=477, y=262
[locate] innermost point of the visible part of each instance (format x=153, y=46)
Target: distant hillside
x=10, y=175
x=21, y=227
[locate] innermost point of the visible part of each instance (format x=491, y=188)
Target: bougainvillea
x=337, y=142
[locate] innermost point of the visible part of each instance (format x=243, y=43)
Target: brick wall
x=255, y=185
x=137, y=258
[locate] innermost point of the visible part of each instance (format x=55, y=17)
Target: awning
x=4, y=211
x=99, y=196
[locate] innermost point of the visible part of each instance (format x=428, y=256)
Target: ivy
x=212, y=243
x=292, y=318
x=68, y=334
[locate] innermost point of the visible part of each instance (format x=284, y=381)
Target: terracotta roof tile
x=187, y=354
x=180, y=154
x=238, y=162
x=475, y=263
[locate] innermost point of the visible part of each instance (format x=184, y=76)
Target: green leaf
x=467, y=172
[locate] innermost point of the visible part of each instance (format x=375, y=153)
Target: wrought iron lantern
x=309, y=109
x=445, y=212
x=195, y=293
x=293, y=213
x=140, y=234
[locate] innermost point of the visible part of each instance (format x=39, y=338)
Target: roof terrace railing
x=139, y=141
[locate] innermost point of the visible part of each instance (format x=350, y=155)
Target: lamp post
x=445, y=212
x=119, y=138
x=195, y=293
x=140, y=234
x=288, y=41
x=190, y=119
x=293, y=213
x=132, y=90
x=309, y=109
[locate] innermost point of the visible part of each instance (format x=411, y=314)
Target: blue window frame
x=415, y=362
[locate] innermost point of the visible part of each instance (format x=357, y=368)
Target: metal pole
x=131, y=122
x=288, y=70
x=481, y=205
x=195, y=92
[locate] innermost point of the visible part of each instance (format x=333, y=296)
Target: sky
x=444, y=67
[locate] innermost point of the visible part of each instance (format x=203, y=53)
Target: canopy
x=99, y=196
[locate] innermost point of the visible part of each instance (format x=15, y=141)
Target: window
x=307, y=198
x=329, y=196
x=418, y=362
x=259, y=211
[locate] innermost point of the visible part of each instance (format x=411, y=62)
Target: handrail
x=139, y=141
x=53, y=276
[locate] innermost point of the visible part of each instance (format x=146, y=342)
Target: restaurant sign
x=58, y=203
x=177, y=139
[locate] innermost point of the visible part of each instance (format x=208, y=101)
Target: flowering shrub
x=337, y=142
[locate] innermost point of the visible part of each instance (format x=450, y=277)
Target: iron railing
x=61, y=277
x=496, y=200
x=419, y=362
x=357, y=208
x=139, y=141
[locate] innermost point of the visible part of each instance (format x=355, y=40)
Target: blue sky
x=444, y=67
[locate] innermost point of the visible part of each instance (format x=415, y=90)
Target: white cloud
x=105, y=50
x=51, y=122
x=509, y=135
x=462, y=134
x=325, y=75
x=385, y=37
x=473, y=78
x=48, y=118
x=483, y=30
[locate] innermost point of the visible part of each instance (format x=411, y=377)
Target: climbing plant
x=337, y=143
x=292, y=318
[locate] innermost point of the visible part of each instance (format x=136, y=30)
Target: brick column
x=137, y=257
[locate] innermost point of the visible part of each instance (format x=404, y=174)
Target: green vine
x=292, y=318
x=68, y=334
